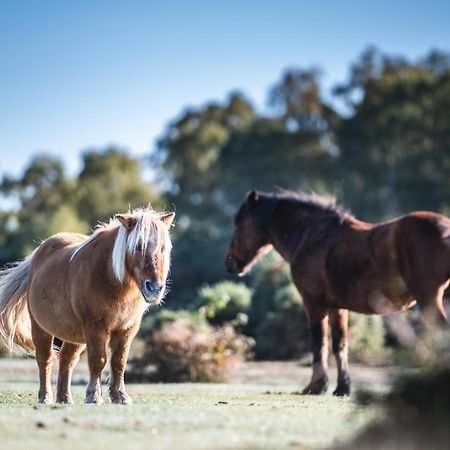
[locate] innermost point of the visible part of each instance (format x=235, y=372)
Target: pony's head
x=142, y=251
x=249, y=240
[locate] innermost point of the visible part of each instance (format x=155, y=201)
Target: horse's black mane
x=311, y=201
x=306, y=202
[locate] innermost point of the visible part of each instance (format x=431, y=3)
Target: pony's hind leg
x=69, y=356
x=44, y=355
x=120, y=346
x=339, y=333
x=96, y=340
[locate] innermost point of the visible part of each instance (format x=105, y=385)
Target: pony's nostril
x=153, y=287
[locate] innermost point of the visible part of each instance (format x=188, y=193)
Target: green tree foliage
x=44, y=197
x=395, y=146
x=110, y=182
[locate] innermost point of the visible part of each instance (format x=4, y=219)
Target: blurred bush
x=367, y=339
x=416, y=410
x=277, y=319
x=225, y=302
x=181, y=347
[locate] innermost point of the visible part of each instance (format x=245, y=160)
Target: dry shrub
x=181, y=351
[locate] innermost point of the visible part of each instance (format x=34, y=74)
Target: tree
x=44, y=199
x=110, y=182
x=395, y=147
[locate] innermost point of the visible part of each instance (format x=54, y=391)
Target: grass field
x=259, y=409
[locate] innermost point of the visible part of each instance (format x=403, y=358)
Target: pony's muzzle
x=151, y=290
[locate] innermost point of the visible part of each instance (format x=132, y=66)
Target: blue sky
x=82, y=74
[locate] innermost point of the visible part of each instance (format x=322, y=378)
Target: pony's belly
x=57, y=319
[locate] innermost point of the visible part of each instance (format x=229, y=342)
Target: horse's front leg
x=69, y=356
x=339, y=333
x=318, y=320
x=96, y=340
x=120, y=346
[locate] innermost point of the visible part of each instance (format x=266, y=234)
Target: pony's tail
x=15, y=323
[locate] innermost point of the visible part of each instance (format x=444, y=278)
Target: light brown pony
x=339, y=263
x=88, y=292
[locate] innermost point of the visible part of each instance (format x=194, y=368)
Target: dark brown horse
x=339, y=263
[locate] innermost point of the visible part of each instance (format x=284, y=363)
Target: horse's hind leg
x=44, y=355
x=96, y=340
x=120, y=346
x=69, y=356
x=339, y=333
x=431, y=304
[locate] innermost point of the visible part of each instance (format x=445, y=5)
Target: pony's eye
x=139, y=247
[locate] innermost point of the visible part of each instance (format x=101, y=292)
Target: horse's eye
x=139, y=247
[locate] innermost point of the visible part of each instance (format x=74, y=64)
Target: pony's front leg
x=339, y=333
x=44, y=355
x=96, y=340
x=120, y=346
x=68, y=359
x=319, y=336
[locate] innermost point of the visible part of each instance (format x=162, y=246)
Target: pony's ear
x=252, y=197
x=167, y=218
x=127, y=220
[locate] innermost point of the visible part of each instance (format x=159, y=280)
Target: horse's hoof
x=342, y=390
x=47, y=400
x=65, y=401
x=121, y=398
x=94, y=399
x=316, y=387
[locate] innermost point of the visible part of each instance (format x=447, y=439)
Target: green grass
x=181, y=416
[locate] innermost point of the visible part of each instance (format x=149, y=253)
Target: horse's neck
x=293, y=230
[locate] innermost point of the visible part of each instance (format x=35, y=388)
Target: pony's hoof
x=65, y=401
x=94, y=399
x=121, y=398
x=342, y=390
x=45, y=400
x=316, y=387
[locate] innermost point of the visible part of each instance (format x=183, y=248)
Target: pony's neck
x=292, y=229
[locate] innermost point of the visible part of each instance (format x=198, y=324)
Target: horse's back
x=60, y=241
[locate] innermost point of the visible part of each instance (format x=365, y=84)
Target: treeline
x=384, y=151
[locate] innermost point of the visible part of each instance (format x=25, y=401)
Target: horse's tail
x=15, y=323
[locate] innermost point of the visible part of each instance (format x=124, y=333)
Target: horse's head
x=249, y=241
x=145, y=251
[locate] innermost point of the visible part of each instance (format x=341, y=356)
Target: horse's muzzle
x=232, y=265
x=152, y=291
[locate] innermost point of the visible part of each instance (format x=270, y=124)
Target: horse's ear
x=167, y=218
x=252, y=197
x=127, y=220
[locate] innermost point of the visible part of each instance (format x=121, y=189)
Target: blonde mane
x=149, y=230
